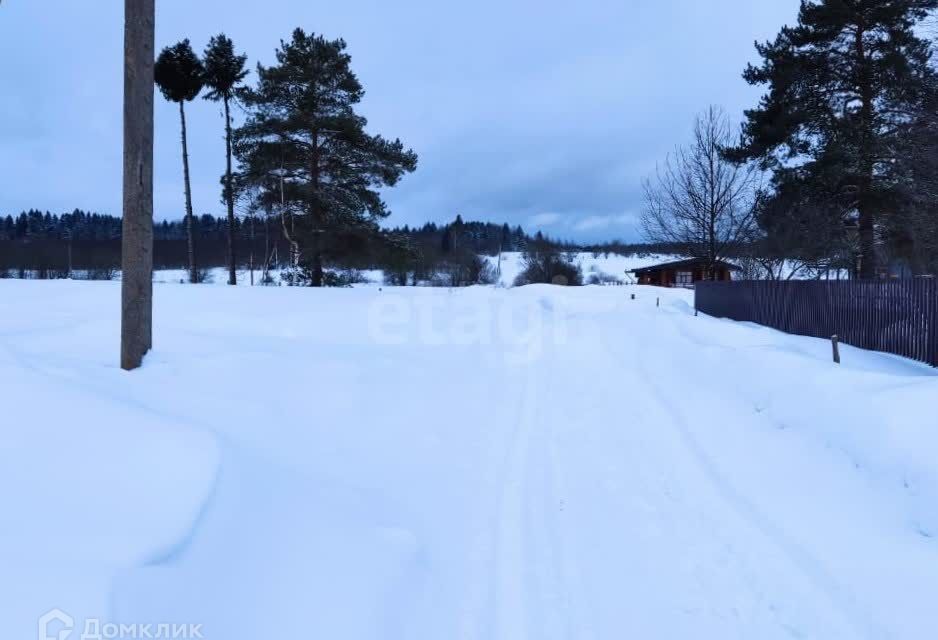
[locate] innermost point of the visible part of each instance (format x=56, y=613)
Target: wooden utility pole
x=137, y=234
x=190, y=223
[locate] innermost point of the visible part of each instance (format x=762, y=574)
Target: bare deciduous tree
x=699, y=202
x=137, y=235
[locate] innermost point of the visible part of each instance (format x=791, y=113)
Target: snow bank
x=91, y=481
x=874, y=409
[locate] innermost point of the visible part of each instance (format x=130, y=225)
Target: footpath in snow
x=476, y=464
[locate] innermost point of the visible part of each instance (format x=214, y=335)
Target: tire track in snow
x=510, y=610
x=514, y=586
x=554, y=589
x=496, y=602
x=576, y=624
x=532, y=569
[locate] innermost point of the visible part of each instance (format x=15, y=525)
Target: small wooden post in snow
x=835, y=343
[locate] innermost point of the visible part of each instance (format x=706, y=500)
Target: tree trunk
x=317, y=264
x=267, y=214
x=251, y=255
x=712, y=247
x=137, y=234
x=866, y=219
x=294, y=245
x=867, y=243
x=229, y=197
x=317, y=274
x=190, y=239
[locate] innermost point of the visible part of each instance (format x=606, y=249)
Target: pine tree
x=912, y=230
x=457, y=229
x=224, y=71
x=840, y=83
x=180, y=76
x=505, y=241
x=302, y=120
x=446, y=243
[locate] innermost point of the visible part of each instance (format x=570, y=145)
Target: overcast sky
x=538, y=113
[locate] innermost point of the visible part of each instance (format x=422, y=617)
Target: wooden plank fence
x=896, y=316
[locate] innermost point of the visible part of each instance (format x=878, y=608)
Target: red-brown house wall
x=667, y=277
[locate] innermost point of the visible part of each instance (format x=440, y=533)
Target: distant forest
x=37, y=244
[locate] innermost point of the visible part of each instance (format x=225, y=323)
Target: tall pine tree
x=913, y=233
x=180, y=76
x=840, y=84
x=224, y=71
x=302, y=125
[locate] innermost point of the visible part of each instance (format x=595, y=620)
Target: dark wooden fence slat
x=896, y=316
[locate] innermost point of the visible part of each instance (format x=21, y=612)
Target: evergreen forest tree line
x=37, y=244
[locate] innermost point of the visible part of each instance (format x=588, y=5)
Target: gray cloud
x=517, y=109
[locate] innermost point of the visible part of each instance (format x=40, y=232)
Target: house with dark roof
x=684, y=273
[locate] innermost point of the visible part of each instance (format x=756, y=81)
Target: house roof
x=679, y=264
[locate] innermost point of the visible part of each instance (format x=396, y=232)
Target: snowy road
x=538, y=463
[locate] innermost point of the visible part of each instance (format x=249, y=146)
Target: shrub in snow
x=464, y=270
x=204, y=276
x=601, y=278
x=343, y=277
x=331, y=277
x=545, y=265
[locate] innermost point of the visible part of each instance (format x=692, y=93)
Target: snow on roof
x=692, y=262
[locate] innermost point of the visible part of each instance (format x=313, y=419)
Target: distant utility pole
x=137, y=234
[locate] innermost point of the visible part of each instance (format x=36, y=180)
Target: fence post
x=835, y=343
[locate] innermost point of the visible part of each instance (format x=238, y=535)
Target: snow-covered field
x=609, y=266
x=419, y=463
x=597, y=268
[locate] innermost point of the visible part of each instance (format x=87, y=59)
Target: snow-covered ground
x=219, y=275
x=608, y=266
x=539, y=462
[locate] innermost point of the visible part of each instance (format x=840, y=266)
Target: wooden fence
x=896, y=316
